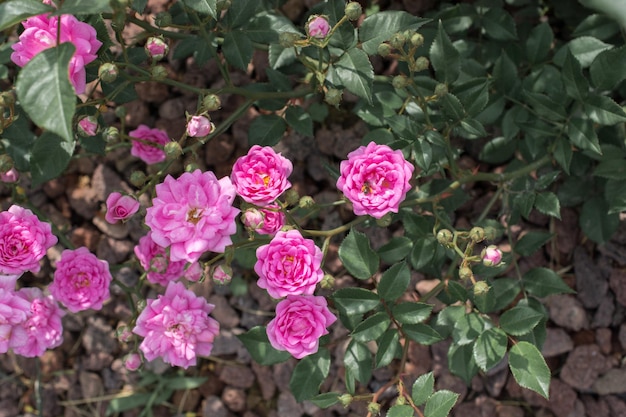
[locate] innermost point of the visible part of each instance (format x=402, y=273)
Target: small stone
x=622, y=335
x=288, y=406
x=266, y=382
x=223, y=312
x=237, y=376
x=595, y=407
x=116, y=231
x=282, y=374
x=509, y=411
x=114, y=251
x=99, y=336
x=617, y=281
x=234, y=398
x=226, y=343
x=90, y=384
x=612, y=382
x=212, y=406
x=591, y=286
x=616, y=405
x=562, y=398
x=566, y=311
x=557, y=342
x=603, y=316
x=603, y=339
x=582, y=367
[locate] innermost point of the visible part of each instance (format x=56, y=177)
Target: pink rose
x=156, y=48
x=40, y=33
x=160, y=269
x=491, y=255
x=88, y=126
x=14, y=311
x=289, y=265
x=222, y=274
x=132, y=361
x=317, y=27
x=81, y=280
x=260, y=177
x=176, y=327
x=193, y=214
x=43, y=327
x=148, y=144
x=120, y=207
x=24, y=241
x=299, y=323
x=273, y=220
x=11, y=176
x=375, y=179
x=252, y=218
x=199, y=126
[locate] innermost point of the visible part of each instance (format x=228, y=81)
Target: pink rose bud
x=252, y=219
x=199, y=126
x=156, y=48
x=132, y=361
x=222, y=274
x=491, y=255
x=10, y=177
x=120, y=207
x=274, y=220
x=88, y=126
x=317, y=27
x=148, y=144
x=123, y=334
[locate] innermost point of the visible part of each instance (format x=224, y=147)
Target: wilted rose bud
x=333, y=96
x=252, y=219
x=173, y=150
x=444, y=236
x=132, y=361
x=345, y=399
x=199, y=126
x=88, y=126
x=491, y=255
x=211, y=103
x=373, y=408
x=317, y=27
x=384, y=49
x=11, y=176
x=156, y=48
x=222, y=274
x=477, y=234
x=108, y=72
x=353, y=10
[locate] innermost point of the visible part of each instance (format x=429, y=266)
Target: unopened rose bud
x=10, y=177
x=477, y=234
x=173, y=150
x=491, y=255
x=156, y=48
x=158, y=73
x=481, y=288
x=111, y=134
x=88, y=126
x=317, y=27
x=120, y=207
x=400, y=400
x=138, y=178
x=328, y=282
x=345, y=399
x=120, y=112
x=490, y=233
x=421, y=63
x=306, y=202
x=199, y=126
x=222, y=274
x=417, y=39
x=6, y=163
x=211, y=103
x=141, y=305
x=333, y=96
x=123, y=334
x=252, y=218
x=163, y=19
x=191, y=167
x=441, y=90
x=384, y=49
x=108, y=72
x=291, y=197
x=288, y=39
x=399, y=81
x=384, y=221
x=465, y=273
x=132, y=361
x=353, y=10
x=444, y=237
x=397, y=40
x=373, y=408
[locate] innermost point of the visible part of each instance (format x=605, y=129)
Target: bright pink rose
x=252, y=218
x=222, y=274
x=317, y=27
x=491, y=255
x=160, y=269
x=273, y=220
x=120, y=207
x=260, y=177
x=132, y=361
x=43, y=326
x=88, y=126
x=176, y=327
x=375, y=179
x=156, y=48
x=193, y=214
x=289, y=265
x=81, y=280
x=148, y=144
x=299, y=323
x=11, y=176
x=199, y=126
x=24, y=241
x=14, y=311
x=40, y=32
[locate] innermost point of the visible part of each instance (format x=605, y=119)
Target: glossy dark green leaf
x=576, y=85
x=371, y=328
x=485, y=301
x=237, y=49
x=529, y=368
x=82, y=7
x=440, y=403
x=356, y=300
x=400, y=410
x=461, y=361
x=505, y=73
x=490, y=348
x=539, y=43
x=548, y=203
x=380, y=27
x=309, y=374
x=596, y=222
x=258, y=345
x=499, y=25
x=185, y=382
x=357, y=255
x=326, y=399
x=444, y=57
x=542, y=282
x=388, y=347
x=395, y=250
x=208, y=7
x=422, y=334
x=582, y=134
x=468, y=328
x=603, y=110
x=423, y=251
x=394, y=282
x=13, y=12
x=615, y=195
x=614, y=169
x=356, y=73
x=266, y=130
x=519, y=320
x=50, y=156
x=452, y=292
x=505, y=290
x=598, y=26
x=358, y=361
x=585, y=49
x=300, y=120
x=531, y=242
x=606, y=70
x=498, y=150
x=545, y=106
x=411, y=312
x=423, y=388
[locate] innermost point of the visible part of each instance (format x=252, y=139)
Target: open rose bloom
x=375, y=179
x=120, y=207
x=176, y=327
x=299, y=323
x=289, y=265
x=148, y=144
x=81, y=280
x=40, y=33
x=193, y=214
x=42, y=328
x=260, y=177
x=14, y=311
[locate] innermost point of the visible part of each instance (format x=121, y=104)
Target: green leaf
x=603, y=110
x=452, y=292
x=422, y=333
x=498, y=150
x=411, y=312
x=326, y=399
x=440, y=403
x=582, y=134
x=563, y=154
x=473, y=128
x=395, y=250
x=258, y=345
x=357, y=255
x=356, y=300
x=586, y=49
x=545, y=106
x=358, y=361
x=13, y=12
x=423, y=388
x=468, y=328
x=505, y=74
x=548, y=203
x=539, y=43
x=444, y=57
x=505, y=290
x=400, y=410
x=50, y=156
x=388, y=347
x=576, y=85
x=490, y=348
x=300, y=120
x=266, y=130
x=597, y=25
x=531, y=242
x=266, y=28
x=614, y=169
x=452, y=107
x=394, y=282
x=607, y=69
x=380, y=27
x=240, y=13
x=595, y=222
x=461, y=362
x=519, y=320
x=371, y=328
x=615, y=194
x=47, y=75
x=542, y=282
x=309, y=374
x=485, y=301
x=356, y=73
x=529, y=368
x=474, y=95
x=499, y=25
x=237, y=49
x=423, y=251
x=81, y=7
x=121, y=404
x=185, y=382
x=203, y=6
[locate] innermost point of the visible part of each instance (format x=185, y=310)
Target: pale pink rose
x=193, y=214
x=132, y=361
x=299, y=323
x=43, y=326
x=14, y=311
x=289, y=265
x=88, y=126
x=199, y=126
x=222, y=274
x=148, y=144
x=252, y=218
x=260, y=177
x=40, y=33
x=81, y=280
x=375, y=179
x=176, y=327
x=120, y=207
x=273, y=220
x=156, y=48
x=160, y=269
x=11, y=176
x=317, y=27
x=24, y=240
x=491, y=255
